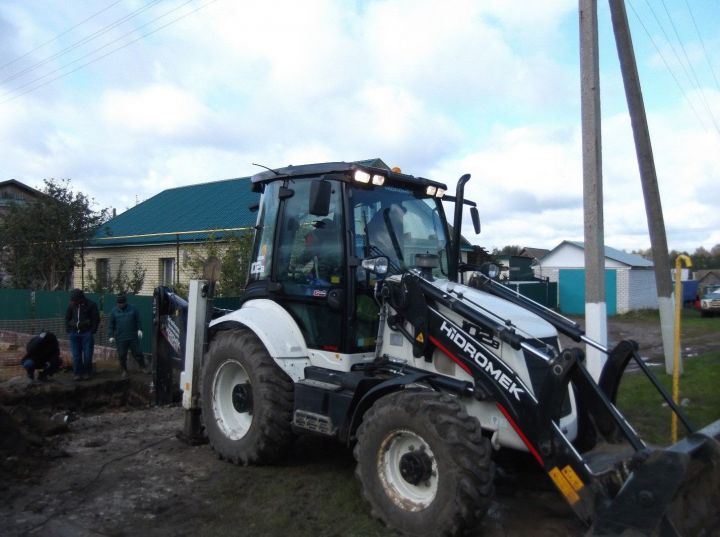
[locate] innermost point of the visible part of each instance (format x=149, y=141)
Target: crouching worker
x=125, y=331
x=43, y=353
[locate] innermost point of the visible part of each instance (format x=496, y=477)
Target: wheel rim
x=232, y=399
x=408, y=470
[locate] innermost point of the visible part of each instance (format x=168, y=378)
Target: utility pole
x=595, y=304
x=648, y=177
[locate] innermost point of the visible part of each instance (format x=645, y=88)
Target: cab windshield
x=395, y=223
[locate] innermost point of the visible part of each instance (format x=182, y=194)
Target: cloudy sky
x=127, y=98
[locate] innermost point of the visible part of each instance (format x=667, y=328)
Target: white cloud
x=158, y=110
x=487, y=87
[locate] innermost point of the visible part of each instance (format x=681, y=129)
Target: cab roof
x=342, y=168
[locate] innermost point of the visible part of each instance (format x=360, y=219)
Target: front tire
x=247, y=400
x=423, y=464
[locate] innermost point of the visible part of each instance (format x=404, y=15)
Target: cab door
x=310, y=265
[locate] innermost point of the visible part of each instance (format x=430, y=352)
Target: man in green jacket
x=125, y=330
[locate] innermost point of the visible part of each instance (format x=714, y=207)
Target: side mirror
x=376, y=265
x=320, y=191
x=475, y=215
x=491, y=270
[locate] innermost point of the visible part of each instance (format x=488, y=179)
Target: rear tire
x=247, y=400
x=423, y=464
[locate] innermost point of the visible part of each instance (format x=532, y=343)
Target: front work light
x=431, y=190
x=378, y=179
x=440, y=193
x=362, y=176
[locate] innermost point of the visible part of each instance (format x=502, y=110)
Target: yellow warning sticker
x=420, y=338
x=334, y=280
x=562, y=484
x=573, y=478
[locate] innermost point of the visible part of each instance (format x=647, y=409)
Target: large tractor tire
x=247, y=400
x=423, y=464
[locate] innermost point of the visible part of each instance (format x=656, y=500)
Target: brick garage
x=629, y=279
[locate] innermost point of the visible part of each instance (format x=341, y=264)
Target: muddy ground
x=94, y=459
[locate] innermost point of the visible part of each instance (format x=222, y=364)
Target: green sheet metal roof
x=187, y=213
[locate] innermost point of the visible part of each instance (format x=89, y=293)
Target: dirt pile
x=33, y=414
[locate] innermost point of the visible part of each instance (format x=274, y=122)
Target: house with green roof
x=158, y=233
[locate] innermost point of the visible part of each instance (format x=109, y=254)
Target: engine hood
x=527, y=323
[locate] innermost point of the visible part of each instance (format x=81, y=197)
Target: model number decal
x=466, y=345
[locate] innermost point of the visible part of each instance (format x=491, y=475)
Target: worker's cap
x=122, y=298
x=76, y=295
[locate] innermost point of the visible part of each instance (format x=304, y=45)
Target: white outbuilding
x=629, y=279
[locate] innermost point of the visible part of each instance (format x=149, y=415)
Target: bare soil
x=95, y=459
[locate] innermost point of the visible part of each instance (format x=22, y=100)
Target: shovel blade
x=674, y=491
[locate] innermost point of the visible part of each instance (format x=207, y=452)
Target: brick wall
x=643, y=289
x=147, y=256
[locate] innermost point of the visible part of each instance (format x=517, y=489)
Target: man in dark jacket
x=125, y=330
x=43, y=352
x=82, y=320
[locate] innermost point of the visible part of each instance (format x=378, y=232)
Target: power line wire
x=669, y=41
x=82, y=41
x=5, y=65
x=692, y=69
x=94, y=51
x=109, y=52
x=672, y=74
x=702, y=42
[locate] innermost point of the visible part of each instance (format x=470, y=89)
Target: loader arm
x=608, y=466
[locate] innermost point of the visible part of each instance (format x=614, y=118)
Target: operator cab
x=315, y=226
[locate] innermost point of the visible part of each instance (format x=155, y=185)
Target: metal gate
x=572, y=291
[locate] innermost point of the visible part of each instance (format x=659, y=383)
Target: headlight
x=362, y=176
x=440, y=193
x=430, y=190
x=378, y=179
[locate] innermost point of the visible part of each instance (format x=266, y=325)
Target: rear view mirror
x=475, y=215
x=376, y=265
x=320, y=191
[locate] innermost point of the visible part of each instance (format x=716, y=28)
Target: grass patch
x=646, y=411
x=693, y=324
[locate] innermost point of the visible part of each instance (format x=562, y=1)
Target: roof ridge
x=203, y=184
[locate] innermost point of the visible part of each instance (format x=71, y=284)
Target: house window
x=102, y=269
x=167, y=271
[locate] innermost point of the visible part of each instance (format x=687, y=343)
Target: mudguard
x=277, y=330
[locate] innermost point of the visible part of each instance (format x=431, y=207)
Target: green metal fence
x=33, y=311
x=543, y=292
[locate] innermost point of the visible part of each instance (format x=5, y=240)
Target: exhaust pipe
x=457, y=224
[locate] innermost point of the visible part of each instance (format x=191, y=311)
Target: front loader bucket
x=671, y=491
